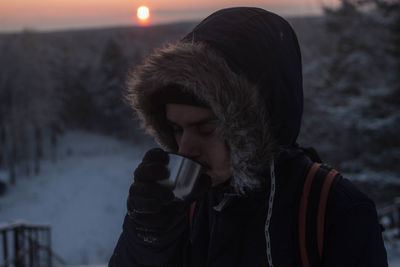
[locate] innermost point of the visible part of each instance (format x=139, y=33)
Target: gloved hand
x=156, y=216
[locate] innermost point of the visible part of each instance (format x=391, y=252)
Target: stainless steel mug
x=184, y=175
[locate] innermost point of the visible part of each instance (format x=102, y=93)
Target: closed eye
x=207, y=128
x=175, y=128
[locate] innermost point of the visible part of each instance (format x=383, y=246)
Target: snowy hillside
x=82, y=196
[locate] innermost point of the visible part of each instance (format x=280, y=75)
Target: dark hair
x=176, y=94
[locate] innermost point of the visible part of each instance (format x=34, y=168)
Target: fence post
x=17, y=247
x=5, y=247
x=49, y=246
x=37, y=236
x=31, y=246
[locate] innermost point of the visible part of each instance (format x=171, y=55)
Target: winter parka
x=245, y=63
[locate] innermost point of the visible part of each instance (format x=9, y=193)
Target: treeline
x=51, y=82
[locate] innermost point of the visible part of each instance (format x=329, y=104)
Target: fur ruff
x=241, y=114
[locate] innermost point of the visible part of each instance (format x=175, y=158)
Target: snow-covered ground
x=83, y=197
x=394, y=261
x=393, y=247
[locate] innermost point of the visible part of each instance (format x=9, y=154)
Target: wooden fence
x=26, y=245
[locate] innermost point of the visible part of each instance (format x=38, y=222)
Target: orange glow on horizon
x=65, y=14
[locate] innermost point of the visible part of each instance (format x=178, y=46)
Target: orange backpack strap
x=322, y=208
x=303, y=212
x=191, y=213
x=312, y=211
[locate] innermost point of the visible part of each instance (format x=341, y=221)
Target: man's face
x=195, y=134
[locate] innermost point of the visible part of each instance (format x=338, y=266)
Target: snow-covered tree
x=360, y=92
x=28, y=101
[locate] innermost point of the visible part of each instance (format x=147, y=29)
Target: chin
x=216, y=179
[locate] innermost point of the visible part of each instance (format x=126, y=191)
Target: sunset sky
x=16, y=15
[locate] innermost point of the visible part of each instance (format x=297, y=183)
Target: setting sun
x=143, y=13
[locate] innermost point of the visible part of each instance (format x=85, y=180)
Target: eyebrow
x=212, y=119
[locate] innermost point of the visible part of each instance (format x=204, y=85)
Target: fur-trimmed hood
x=245, y=63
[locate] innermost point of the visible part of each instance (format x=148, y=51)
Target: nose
x=189, y=146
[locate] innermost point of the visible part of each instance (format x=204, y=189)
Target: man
x=229, y=95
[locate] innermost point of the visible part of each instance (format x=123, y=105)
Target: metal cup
x=184, y=175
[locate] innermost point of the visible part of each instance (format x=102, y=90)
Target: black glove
x=158, y=218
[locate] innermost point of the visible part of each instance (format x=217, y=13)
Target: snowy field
x=83, y=197
x=394, y=262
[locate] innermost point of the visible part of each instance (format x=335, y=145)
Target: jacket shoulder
x=346, y=196
x=353, y=233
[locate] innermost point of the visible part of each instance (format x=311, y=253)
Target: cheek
x=219, y=156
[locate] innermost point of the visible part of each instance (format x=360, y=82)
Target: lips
x=205, y=165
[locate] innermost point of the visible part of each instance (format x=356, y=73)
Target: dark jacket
x=245, y=64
